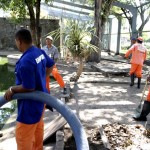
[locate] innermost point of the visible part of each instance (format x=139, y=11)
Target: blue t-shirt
x=31, y=74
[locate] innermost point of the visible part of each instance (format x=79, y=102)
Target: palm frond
x=77, y=39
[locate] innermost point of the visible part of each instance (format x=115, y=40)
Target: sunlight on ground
x=116, y=103
x=103, y=116
x=8, y=144
x=140, y=94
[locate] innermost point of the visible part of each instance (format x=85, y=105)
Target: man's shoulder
x=54, y=47
x=141, y=47
x=30, y=55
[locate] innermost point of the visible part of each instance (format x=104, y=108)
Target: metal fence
x=110, y=41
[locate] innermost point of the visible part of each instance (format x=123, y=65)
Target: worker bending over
x=53, y=53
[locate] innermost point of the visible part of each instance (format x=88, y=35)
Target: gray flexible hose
x=64, y=110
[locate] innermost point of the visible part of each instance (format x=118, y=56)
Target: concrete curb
x=59, y=140
x=147, y=62
x=109, y=59
x=108, y=82
x=74, y=67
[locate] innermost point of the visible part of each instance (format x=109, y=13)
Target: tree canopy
x=142, y=9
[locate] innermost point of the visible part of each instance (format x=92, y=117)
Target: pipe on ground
x=64, y=110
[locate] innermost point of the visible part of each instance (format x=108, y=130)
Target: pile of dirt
x=126, y=137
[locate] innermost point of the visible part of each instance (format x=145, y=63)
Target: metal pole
x=119, y=36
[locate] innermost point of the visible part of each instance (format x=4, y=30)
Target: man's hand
x=8, y=94
x=16, y=89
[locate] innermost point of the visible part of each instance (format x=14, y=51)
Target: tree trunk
x=38, y=28
x=140, y=30
x=80, y=69
x=33, y=30
x=95, y=57
x=32, y=20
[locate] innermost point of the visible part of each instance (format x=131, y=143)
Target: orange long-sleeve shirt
x=138, y=52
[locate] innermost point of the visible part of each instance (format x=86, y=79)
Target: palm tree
x=77, y=41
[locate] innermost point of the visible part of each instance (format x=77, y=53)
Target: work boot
x=140, y=118
x=132, y=80
x=139, y=83
x=145, y=111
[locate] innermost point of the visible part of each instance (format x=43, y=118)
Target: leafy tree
x=101, y=13
x=144, y=13
x=21, y=9
x=143, y=10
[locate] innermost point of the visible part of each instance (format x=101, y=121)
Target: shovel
x=143, y=108
x=140, y=106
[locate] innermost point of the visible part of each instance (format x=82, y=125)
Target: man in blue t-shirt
x=30, y=76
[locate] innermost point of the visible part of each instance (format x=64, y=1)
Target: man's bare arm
x=15, y=89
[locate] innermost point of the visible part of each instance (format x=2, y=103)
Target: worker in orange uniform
x=53, y=53
x=138, y=51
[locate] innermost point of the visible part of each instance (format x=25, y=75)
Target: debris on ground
x=126, y=137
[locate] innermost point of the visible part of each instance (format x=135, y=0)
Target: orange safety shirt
x=138, y=52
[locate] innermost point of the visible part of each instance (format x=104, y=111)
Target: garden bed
x=124, y=137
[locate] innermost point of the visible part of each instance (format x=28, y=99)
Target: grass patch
x=7, y=78
x=3, y=61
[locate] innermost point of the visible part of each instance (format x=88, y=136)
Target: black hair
x=140, y=42
x=24, y=35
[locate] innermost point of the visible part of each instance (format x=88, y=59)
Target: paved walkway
x=101, y=103
x=98, y=99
